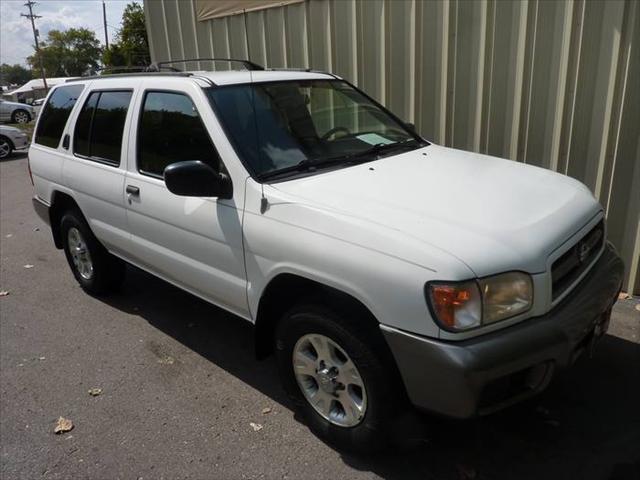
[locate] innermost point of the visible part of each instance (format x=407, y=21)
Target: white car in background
x=11, y=139
x=15, y=112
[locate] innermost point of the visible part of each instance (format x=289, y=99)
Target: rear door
x=96, y=160
x=195, y=243
x=47, y=152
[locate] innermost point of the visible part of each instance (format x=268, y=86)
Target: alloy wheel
x=329, y=380
x=21, y=117
x=80, y=253
x=5, y=148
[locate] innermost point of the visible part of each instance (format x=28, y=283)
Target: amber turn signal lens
x=457, y=306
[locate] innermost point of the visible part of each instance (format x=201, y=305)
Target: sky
x=16, y=36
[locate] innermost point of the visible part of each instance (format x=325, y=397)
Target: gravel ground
x=180, y=387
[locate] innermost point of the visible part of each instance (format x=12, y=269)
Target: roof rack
x=155, y=69
x=134, y=74
x=121, y=69
x=301, y=69
x=249, y=65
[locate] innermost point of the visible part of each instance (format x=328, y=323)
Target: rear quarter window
x=55, y=114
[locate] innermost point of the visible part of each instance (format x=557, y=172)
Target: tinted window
x=55, y=113
x=100, y=126
x=83, y=126
x=171, y=131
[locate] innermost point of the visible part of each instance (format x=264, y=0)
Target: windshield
x=278, y=126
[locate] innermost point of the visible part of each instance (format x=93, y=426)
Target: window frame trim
x=91, y=158
x=145, y=92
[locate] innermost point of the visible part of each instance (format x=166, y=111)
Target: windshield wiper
x=383, y=147
x=303, y=166
x=310, y=164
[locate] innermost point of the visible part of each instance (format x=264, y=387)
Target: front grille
x=566, y=269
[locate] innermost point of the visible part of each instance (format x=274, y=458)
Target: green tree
x=68, y=53
x=14, y=74
x=131, y=47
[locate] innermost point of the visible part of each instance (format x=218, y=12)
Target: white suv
x=383, y=270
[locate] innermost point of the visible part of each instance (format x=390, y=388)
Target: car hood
x=492, y=214
x=10, y=130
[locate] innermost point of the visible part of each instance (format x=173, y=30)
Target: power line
x=31, y=16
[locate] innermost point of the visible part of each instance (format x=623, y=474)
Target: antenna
x=31, y=16
x=264, y=202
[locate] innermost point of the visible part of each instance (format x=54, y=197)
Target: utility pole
x=104, y=20
x=32, y=17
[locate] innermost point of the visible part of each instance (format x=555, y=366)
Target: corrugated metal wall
x=549, y=83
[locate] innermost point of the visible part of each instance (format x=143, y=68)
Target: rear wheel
x=337, y=376
x=6, y=147
x=96, y=270
x=21, y=116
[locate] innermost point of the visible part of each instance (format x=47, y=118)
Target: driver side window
x=171, y=130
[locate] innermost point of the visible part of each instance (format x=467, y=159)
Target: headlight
x=505, y=296
x=464, y=305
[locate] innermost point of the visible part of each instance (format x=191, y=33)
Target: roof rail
x=121, y=69
x=134, y=74
x=300, y=69
x=249, y=65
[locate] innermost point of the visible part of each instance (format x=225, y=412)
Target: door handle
x=131, y=190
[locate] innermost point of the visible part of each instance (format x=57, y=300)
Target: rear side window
x=55, y=114
x=171, y=131
x=100, y=126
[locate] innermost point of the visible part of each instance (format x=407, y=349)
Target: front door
x=193, y=242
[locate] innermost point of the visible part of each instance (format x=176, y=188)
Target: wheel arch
x=60, y=202
x=11, y=144
x=286, y=290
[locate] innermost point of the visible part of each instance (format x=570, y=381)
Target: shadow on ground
x=16, y=155
x=586, y=425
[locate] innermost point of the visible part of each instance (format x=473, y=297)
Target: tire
x=6, y=147
x=384, y=399
x=20, y=116
x=96, y=270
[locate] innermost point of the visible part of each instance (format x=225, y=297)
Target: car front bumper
x=489, y=372
x=19, y=141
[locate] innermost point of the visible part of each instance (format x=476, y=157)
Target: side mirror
x=410, y=126
x=194, y=178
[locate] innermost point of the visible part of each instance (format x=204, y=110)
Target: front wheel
x=96, y=270
x=337, y=376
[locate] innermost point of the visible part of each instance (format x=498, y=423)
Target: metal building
x=550, y=83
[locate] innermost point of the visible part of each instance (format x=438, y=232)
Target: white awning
x=37, y=84
x=208, y=9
